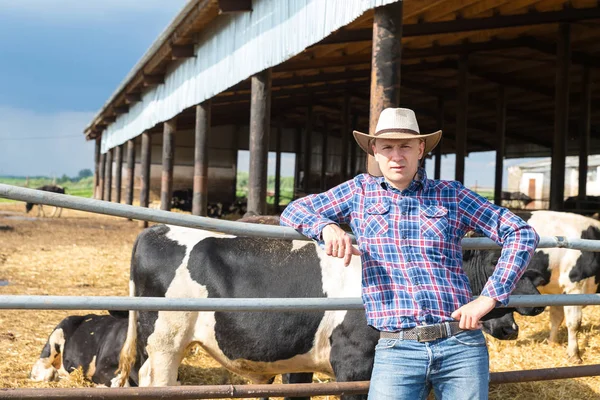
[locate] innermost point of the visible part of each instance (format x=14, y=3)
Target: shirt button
x=403, y=212
x=404, y=236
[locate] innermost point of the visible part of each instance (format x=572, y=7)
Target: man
x=408, y=231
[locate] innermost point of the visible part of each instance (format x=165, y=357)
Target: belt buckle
x=423, y=335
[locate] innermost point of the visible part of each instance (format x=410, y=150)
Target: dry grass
x=87, y=254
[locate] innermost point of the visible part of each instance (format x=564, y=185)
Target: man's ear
x=421, y=149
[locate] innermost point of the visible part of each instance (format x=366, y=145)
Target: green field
x=83, y=187
x=286, y=189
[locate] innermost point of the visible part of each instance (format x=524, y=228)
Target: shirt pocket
x=434, y=222
x=376, y=216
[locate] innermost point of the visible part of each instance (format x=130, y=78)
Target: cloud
x=58, y=11
x=59, y=148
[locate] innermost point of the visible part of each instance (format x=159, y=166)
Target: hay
x=88, y=254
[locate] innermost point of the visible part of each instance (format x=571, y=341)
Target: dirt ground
x=88, y=254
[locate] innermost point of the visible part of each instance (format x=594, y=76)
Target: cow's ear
x=591, y=233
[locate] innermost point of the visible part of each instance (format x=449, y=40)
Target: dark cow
x=516, y=199
x=589, y=206
x=182, y=199
x=46, y=188
x=560, y=270
x=89, y=341
x=180, y=262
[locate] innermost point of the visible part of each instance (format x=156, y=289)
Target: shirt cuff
x=496, y=292
x=318, y=229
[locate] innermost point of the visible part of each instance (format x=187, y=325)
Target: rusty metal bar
x=130, y=171
x=561, y=118
x=584, y=133
x=97, y=166
x=101, y=171
x=281, y=390
x=202, y=132
x=168, y=159
x=501, y=148
x=385, y=65
x=118, y=172
x=108, y=175
x=260, y=126
x=461, y=117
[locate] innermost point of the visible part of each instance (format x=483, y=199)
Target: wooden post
x=385, y=64
x=130, y=171
x=354, y=148
x=166, y=184
x=97, y=167
x=118, y=171
x=561, y=118
x=307, y=150
x=101, y=171
x=278, y=138
x=145, y=171
x=108, y=175
x=500, y=149
x=437, y=168
x=200, y=199
x=324, y=149
x=298, y=166
x=260, y=123
x=461, y=117
x=345, y=136
x=584, y=132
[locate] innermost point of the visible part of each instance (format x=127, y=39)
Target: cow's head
x=499, y=322
x=588, y=263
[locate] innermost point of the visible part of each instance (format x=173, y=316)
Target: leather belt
x=425, y=333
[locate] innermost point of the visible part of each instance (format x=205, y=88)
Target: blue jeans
x=456, y=368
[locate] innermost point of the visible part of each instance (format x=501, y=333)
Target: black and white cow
x=180, y=262
x=560, y=270
x=89, y=341
x=182, y=199
x=46, y=188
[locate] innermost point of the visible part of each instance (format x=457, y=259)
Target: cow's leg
x=305, y=377
x=59, y=212
x=166, y=348
x=557, y=315
x=573, y=317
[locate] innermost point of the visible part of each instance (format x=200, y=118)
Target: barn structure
x=297, y=76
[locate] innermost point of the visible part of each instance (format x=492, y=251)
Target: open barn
x=514, y=77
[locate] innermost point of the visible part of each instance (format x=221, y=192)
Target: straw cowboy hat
x=395, y=123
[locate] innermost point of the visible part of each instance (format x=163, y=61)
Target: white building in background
x=533, y=179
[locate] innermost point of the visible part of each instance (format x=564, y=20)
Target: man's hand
x=470, y=314
x=338, y=243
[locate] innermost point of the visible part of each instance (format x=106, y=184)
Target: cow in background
x=91, y=342
x=46, y=188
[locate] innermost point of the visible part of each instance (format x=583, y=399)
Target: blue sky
x=60, y=60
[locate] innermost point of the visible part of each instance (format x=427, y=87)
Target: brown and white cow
x=180, y=262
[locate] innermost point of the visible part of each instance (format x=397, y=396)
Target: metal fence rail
x=20, y=302
x=261, y=391
x=231, y=227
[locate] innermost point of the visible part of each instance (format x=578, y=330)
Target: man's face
x=398, y=159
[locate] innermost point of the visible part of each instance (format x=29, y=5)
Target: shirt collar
x=420, y=181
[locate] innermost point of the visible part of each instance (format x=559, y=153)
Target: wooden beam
x=233, y=6
x=101, y=171
x=130, y=171
x=298, y=162
x=437, y=169
x=118, y=172
x=278, y=137
x=108, y=175
x=385, y=66
x=109, y=118
x=346, y=134
x=324, y=145
x=584, y=131
x=472, y=24
x=260, y=123
x=118, y=110
x=461, y=118
x=202, y=133
x=179, y=52
x=145, y=172
x=561, y=118
x=97, y=153
x=307, y=150
x=168, y=160
x=501, y=144
x=153, y=80
x=577, y=57
x=133, y=97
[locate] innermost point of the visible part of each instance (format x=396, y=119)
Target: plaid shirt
x=411, y=244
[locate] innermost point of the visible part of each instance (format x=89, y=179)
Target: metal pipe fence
x=279, y=390
x=247, y=304
x=230, y=227
x=119, y=303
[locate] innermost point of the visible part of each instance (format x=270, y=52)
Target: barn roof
x=508, y=43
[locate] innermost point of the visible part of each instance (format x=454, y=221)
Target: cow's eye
x=494, y=261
